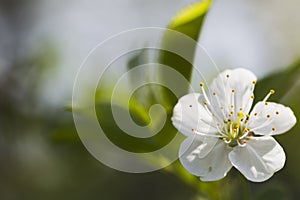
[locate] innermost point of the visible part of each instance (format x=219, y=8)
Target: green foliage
x=189, y=22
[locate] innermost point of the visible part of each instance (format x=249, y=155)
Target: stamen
x=227, y=141
x=232, y=99
x=252, y=88
x=268, y=95
x=245, y=134
x=206, y=102
x=241, y=144
x=277, y=113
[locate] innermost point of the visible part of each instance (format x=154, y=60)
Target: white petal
x=190, y=116
x=259, y=159
x=241, y=81
x=213, y=166
x=271, y=119
x=197, y=146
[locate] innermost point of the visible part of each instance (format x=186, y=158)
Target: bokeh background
x=43, y=43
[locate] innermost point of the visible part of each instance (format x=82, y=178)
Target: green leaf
x=282, y=82
x=123, y=139
x=189, y=22
x=190, y=19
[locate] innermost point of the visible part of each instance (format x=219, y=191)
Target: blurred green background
x=42, y=44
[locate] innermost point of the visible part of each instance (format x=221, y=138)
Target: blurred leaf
x=66, y=134
x=125, y=140
x=281, y=82
x=190, y=19
x=189, y=22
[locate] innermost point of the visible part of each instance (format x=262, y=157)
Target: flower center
x=235, y=131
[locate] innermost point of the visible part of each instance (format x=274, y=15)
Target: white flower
x=222, y=132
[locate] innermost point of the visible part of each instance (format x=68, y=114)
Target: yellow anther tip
x=201, y=84
x=272, y=91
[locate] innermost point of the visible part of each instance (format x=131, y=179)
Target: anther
x=268, y=116
x=241, y=109
x=252, y=97
x=266, y=103
x=201, y=84
x=273, y=128
x=231, y=106
x=214, y=93
x=227, y=75
x=277, y=113
x=255, y=114
x=193, y=129
x=245, y=141
x=272, y=91
x=190, y=106
x=204, y=102
x=254, y=82
x=233, y=91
